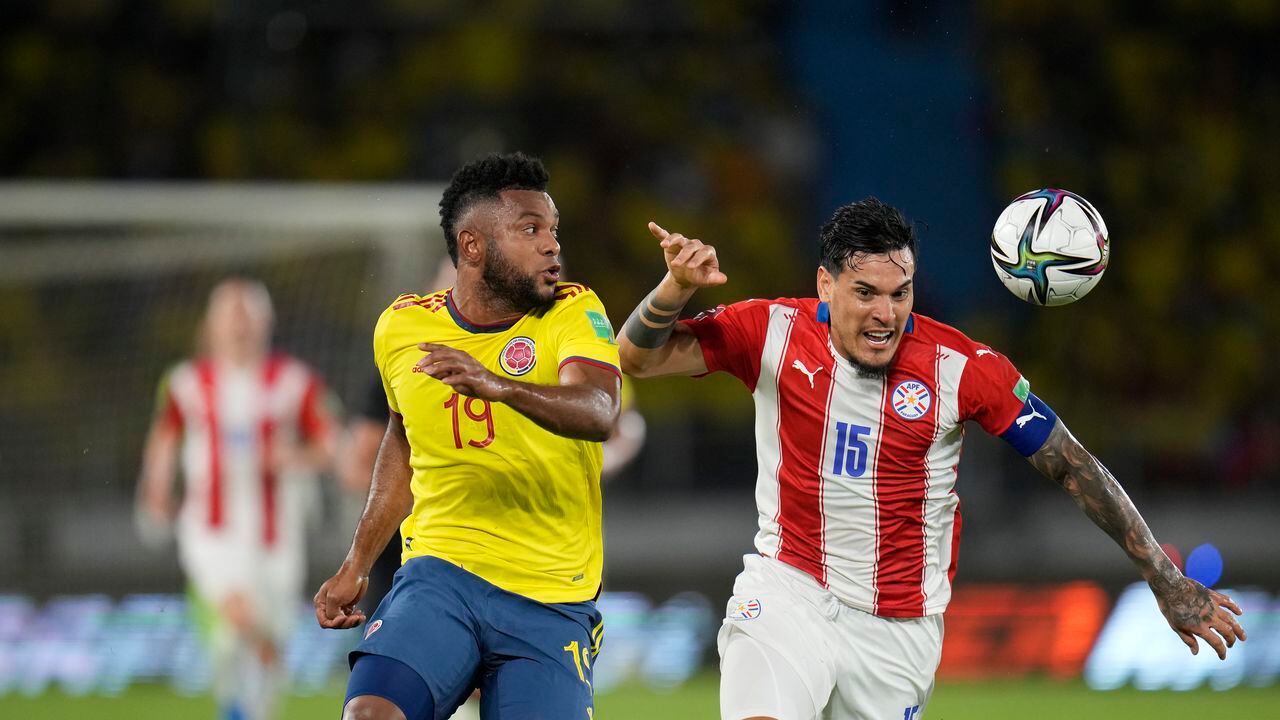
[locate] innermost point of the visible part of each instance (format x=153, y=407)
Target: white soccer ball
x=1050, y=247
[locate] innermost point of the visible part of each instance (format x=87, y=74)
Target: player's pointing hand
x=691, y=262
x=460, y=371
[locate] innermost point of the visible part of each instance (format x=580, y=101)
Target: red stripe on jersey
x=171, y=414
x=568, y=290
x=267, y=437
x=310, y=422
x=589, y=361
x=208, y=392
x=802, y=423
x=900, y=491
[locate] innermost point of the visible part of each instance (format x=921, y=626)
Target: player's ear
x=471, y=246
x=826, y=284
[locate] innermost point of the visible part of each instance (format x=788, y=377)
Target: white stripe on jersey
x=852, y=521
x=941, y=502
x=768, y=430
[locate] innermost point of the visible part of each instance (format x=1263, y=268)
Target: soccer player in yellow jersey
x=502, y=389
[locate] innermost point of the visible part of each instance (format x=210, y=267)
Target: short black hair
x=484, y=179
x=866, y=227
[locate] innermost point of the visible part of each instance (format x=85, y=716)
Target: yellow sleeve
x=380, y=332
x=584, y=334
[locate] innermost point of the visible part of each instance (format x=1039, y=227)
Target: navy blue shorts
x=460, y=632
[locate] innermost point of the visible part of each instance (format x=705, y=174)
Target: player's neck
x=479, y=305
x=239, y=357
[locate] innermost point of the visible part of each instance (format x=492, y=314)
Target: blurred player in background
x=493, y=454
x=252, y=429
x=860, y=408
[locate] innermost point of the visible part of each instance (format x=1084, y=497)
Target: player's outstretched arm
x=1191, y=609
x=159, y=464
x=652, y=343
x=390, y=500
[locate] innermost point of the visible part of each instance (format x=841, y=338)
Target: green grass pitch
x=1040, y=699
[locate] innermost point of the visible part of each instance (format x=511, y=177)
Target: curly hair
x=866, y=227
x=484, y=179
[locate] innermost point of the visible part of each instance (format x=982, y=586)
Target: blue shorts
x=460, y=632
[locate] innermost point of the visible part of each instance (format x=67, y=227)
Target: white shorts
x=271, y=580
x=790, y=650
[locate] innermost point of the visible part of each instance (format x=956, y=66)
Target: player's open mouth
x=878, y=338
x=552, y=273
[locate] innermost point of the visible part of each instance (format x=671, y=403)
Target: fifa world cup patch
x=911, y=399
x=373, y=628
x=600, y=324
x=745, y=610
x=1022, y=389
x=519, y=356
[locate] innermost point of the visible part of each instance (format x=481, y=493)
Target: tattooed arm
x=652, y=343
x=1191, y=608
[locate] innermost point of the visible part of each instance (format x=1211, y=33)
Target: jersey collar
x=469, y=326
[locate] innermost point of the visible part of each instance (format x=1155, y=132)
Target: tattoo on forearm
x=1186, y=604
x=651, y=324
x=1095, y=490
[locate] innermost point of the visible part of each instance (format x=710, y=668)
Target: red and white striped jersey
x=231, y=420
x=856, y=476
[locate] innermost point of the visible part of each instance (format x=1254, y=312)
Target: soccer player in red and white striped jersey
x=860, y=412
x=250, y=428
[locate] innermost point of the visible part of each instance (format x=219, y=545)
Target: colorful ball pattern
x=519, y=356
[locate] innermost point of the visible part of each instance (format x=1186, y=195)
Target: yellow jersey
x=492, y=491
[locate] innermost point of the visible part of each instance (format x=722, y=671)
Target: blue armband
x=1031, y=427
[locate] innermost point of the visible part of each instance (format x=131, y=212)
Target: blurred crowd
x=1166, y=122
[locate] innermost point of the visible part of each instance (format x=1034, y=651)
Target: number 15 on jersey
x=851, y=450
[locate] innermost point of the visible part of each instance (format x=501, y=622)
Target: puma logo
x=807, y=372
x=985, y=351
x=1024, y=419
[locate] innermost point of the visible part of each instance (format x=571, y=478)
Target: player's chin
x=875, y=359
x=545, y=291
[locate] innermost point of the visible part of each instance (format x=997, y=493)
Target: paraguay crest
x=519, y=356
x=748, y=609
x=911, y=399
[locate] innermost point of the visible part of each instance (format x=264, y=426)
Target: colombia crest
x=519, y=356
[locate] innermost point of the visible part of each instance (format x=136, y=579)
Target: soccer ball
x=1050, y=247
